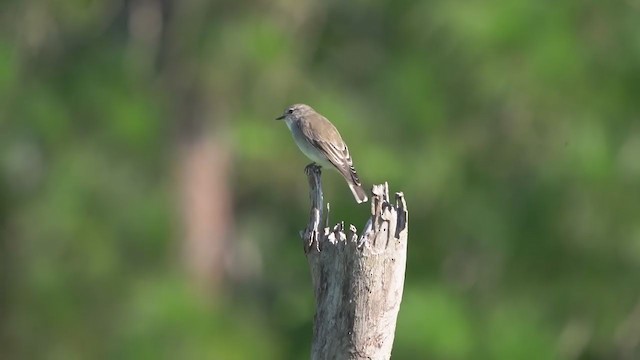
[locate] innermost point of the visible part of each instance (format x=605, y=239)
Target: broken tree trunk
x=357, y=280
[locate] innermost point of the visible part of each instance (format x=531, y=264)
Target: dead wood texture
x=357, y=279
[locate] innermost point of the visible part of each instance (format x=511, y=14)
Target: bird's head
x=295, y=111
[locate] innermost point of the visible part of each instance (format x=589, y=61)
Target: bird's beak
x=280, y=118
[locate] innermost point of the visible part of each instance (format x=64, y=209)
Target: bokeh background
x=150, y=206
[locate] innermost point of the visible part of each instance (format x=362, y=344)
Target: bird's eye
x=289, y=111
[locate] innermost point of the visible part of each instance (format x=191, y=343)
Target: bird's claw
x=313, y=167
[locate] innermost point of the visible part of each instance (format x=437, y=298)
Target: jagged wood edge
x=313, y=236
x=332, y=253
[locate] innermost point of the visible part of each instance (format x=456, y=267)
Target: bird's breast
x=306, y=146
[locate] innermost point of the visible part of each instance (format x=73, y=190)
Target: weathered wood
x=358, y=280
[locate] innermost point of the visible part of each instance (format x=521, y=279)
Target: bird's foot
x=313, y=167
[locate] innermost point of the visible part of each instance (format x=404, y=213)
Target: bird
x=321, y=142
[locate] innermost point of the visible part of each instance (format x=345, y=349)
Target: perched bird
x=320, y=141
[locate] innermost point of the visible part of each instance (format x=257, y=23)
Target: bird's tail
x=358, y=192
x=356, y=187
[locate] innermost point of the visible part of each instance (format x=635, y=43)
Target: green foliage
x=511, y=126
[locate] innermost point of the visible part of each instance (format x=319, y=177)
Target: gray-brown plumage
x=320, y=141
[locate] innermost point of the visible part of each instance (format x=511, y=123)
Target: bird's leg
x=311, y=167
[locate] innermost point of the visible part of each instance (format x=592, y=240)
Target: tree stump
x=357, y=280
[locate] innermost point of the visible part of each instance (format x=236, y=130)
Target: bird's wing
x=340, y=158
x=332, y=146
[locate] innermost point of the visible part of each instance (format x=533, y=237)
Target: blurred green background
x=150, y=206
